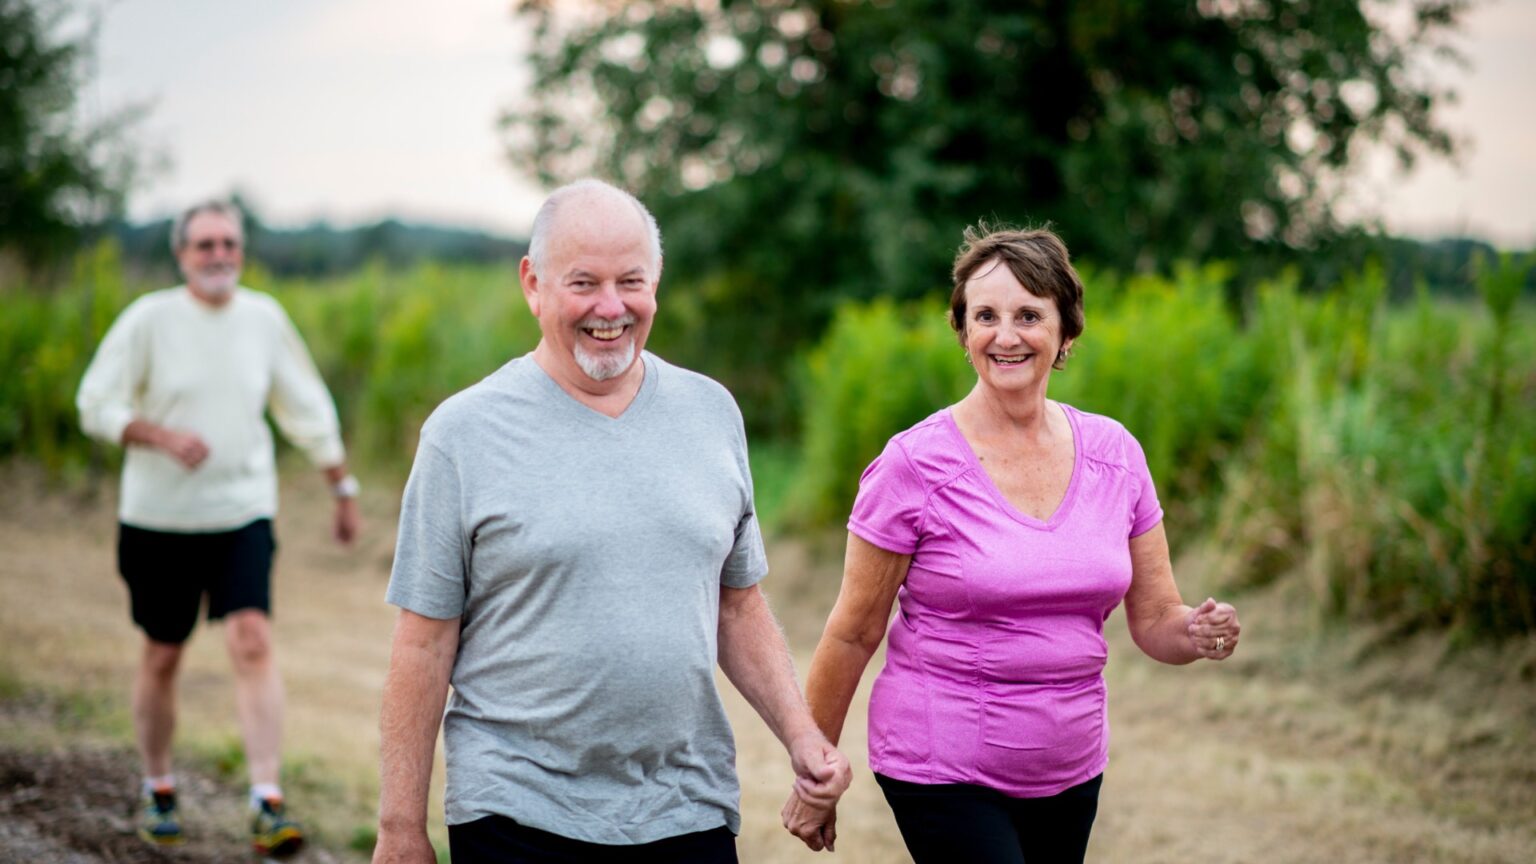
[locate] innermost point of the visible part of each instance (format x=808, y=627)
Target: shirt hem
x=656, y=829
x=889, y=544
x=178, y=526
x=929, y=778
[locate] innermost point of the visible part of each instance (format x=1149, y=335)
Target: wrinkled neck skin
x=1026, y=415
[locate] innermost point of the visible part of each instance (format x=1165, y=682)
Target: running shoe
x=273, y=833
x=159, y=823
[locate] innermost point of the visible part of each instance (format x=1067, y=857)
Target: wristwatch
x=346, y=487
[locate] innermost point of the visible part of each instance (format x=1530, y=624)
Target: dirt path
x=1297, y=751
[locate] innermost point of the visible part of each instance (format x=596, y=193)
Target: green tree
x=801, y=152
x=58, y=176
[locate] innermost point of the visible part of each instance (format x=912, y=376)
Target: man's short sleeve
x=888, y=511
x=748, y=563
x=430, y=574
x=1146, y=512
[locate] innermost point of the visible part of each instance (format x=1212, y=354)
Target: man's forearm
x=143, y=433
x=415, y=690
x=756, y=659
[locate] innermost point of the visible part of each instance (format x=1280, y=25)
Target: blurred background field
x=1381, y=449
x=1340, y=417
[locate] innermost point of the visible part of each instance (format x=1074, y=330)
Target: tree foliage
x=57, y=175
x=800, y=152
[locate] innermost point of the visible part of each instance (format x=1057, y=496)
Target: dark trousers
x=499, y=840
x=947, y=822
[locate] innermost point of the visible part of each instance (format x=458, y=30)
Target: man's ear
x=530, y=281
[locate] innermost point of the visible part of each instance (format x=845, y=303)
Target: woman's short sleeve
x=888, y=511
x=1146, y=512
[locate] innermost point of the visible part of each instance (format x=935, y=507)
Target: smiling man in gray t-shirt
x=577, y=550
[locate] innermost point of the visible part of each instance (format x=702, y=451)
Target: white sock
x=166, y=782
x=262, y=791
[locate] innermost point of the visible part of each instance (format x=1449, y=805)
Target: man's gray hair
x=227, y=209
x=538, y=241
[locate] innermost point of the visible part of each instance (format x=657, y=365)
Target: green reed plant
x=45, y=341
x=393, y=345
x=1168, y=358
x=1383, y=474
x=879, y=369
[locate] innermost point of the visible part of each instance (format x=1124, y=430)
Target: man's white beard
x=218, y=281
x=609, y=364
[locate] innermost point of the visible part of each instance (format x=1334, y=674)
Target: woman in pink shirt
x=1006, y=527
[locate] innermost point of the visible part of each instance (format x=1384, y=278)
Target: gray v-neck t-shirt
x=584, y=557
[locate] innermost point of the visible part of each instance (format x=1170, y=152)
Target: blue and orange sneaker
x=272, y=832
x=159, y=823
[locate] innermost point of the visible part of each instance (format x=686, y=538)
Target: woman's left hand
x=1214, y=629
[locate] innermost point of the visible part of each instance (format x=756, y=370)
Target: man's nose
x=609, y=304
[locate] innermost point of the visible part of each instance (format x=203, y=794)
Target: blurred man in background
x=578, y=548
x=182, y=380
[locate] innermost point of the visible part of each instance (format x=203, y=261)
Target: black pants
x=949, y=822
x=499, y=840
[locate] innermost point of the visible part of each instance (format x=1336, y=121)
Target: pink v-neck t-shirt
x=994, y=661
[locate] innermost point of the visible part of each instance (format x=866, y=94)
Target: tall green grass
x=392, y=345
x=1386, y=453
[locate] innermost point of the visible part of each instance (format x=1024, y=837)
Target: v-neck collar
x=578, y=411
x=1063, y=509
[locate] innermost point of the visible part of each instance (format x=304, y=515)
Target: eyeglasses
x=208, y=244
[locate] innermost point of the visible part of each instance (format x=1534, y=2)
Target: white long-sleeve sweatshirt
x=211, y=370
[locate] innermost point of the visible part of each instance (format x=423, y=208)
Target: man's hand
x=404, y=847
x=185, y=447
x=822, y=775
x=348, y=523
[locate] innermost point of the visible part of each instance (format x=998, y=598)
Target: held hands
x=822, y=775
x=1213, y=629
x=816, y=827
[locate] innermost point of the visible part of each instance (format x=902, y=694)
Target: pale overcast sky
x=352, y=110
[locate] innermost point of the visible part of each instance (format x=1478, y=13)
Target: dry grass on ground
x=1304, y=748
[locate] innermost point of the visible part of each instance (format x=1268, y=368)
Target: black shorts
x=499, y=840
x=169, y=572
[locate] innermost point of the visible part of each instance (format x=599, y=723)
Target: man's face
x=211, y=258
x=595, y=295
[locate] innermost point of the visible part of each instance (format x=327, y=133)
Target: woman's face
x=1011, y=336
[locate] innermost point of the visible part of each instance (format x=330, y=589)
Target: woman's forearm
x=1165, y=637
x=871, y=578
x=836, y=668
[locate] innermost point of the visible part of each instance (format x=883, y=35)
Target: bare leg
x=154, y=705
x=258, y=691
